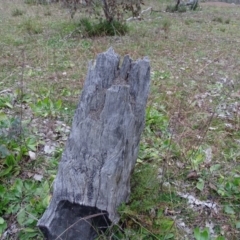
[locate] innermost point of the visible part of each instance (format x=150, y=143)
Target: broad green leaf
x=6, y=171
x=3, y=226
x=28, y=185
x=3, y=116
x=27, y=235
x=59, y=104
x=215, y=167
x=221, y=192
x=237, y=225
x=220, y=238
x=1, y=220
x=46, y=187
x=10, y=161
x=46, y=201
x=29, y=230
x=201, y=235
x=236, y=182
x=29, y=221
x=169, y=236
x=21, y=217
x=228, y=186
x=3, y=151
x=29, y=73
x=9, y=105
x=197, y=233
x=198, y=159
x=228, y=209
x=200, y=184
x=31, y=144
x=2, y=190
x=205, y=235
x=19, y=185
x=15, y=208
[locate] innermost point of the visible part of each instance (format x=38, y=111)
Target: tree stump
x=94, y=173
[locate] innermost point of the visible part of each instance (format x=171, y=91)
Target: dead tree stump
x=94, y=173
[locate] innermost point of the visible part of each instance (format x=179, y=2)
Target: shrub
x=180, y=8
x=171, y=8
x=31, y=26
x=166, y=25
x=218, y=19
x=227, y=21
x=103, y=28
x=17, y=12
x=111, y=9
x=48, y=13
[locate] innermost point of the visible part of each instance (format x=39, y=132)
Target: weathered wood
x=94, y=173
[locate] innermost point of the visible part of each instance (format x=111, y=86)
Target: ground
x=186, y=183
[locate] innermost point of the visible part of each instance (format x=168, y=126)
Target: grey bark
x=106, y=11
x=93, y=178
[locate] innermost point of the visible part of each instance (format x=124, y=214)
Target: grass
x=17, y=12
x=190, y=144
x=103, y=28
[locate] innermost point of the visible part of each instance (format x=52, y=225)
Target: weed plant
x=173, y=8
x=182, y=9
x=102, y=28
x=17, y=12
x=31, y=26
x=218, y=19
